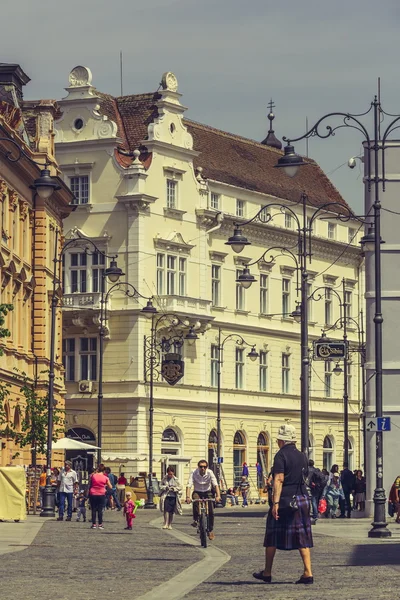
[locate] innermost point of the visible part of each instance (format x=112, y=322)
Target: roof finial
x=271, y=139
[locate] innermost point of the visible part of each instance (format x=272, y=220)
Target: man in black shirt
x=347, y=481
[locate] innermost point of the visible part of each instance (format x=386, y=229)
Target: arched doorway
x=262, y=459
x=239, y=456
x=82, y=460
x=327, y=454
x=171, y=444
x=212, y=450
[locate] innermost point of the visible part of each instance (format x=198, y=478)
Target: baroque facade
x=27, y=246
x=163, y=193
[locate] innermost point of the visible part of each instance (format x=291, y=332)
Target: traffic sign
x=220, y=459
x=379, y=424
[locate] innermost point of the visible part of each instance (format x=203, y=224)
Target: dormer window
x=80, y=188
x=172, y=190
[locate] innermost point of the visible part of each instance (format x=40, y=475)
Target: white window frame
x=240, y=293
x=332, y=230
x=79, y=185
x=240, y=208
x=348, y=298
x=328, y=306
x=171, y=193
x=89, y=271
x=215, y=200
x=263, y=371
x=328, y=454
x=160, y=262
x=285, y=365
x=264, y=294
x=91, y=373
x=286, y=299
x=288, y=220
x=239, y=368
x=171, y=274
x=216, y=271
x=214, y=353
x=309, y=301
x=69, y=358
x=328, y=378
x=352, y=233
x=81, y=269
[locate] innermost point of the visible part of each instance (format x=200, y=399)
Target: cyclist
x=203, y=480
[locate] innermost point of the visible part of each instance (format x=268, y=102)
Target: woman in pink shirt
x=97, y=494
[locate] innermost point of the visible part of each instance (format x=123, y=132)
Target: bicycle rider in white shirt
x=203, y=481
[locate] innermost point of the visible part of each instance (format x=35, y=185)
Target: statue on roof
x=271, y=139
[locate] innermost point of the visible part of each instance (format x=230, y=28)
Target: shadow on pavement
x=369, y=555
x=249, y=582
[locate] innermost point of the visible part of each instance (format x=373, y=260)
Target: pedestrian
x=394, y=497
x=81, y=511
x=332, y=493
x=129, y=510
x=121, y=485
x=288, y=527
x=42, y=484
x=112, y=492
x=244, y=490
x=347, y=481
x=230, y=495
x=360, y=488
x=97, y=495
x=316, y=483
x=67, y=479
x=55, y=484
x=170, y=492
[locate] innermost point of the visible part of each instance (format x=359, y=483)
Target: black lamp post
x=80, y=242
x=304, y=253
x=375, y=146
x=152, y=350
x=253, y=355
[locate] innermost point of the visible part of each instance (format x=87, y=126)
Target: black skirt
x=290, y=532
x=169, y=504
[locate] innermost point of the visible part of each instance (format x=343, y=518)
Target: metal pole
x=150, y=490
x=219, y=364
x=363, y=383
x=100, y=392
x=346, y=382
x=379, y=525
x=305, y=360
x=48, y=509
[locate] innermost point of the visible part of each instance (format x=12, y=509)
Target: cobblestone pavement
x=69, y=560
x=357, y=570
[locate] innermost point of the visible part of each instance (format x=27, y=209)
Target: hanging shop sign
x=172, y=368
x=329, y=350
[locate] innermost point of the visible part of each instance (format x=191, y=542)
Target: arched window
x=311, y=447
x=351, y=454
x=17, y=419
x=212, y=449
x=7, y=415
x=239, y=456
x=172, y=446
x=262, y=459
x=327, y=455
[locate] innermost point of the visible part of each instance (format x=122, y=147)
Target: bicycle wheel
x=203, y=530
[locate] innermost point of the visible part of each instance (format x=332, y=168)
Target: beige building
x=163, y=193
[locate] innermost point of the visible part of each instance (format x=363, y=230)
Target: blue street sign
x=383, y=424
x=220, y=459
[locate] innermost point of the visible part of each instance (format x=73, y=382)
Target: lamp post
x=304, y=253
x=79, y=242
x=113, y=273
x=253, y=355
x=152, y=350
x=374, y=146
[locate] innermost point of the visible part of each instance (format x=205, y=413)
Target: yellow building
x=27, y=247
x=163, y=193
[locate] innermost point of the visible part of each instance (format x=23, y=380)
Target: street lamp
x=253, y=355
x=48, y=509
x=152, y=350
x=374, y=146
x=113, y=273
x=304, y=253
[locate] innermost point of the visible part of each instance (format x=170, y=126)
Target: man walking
x=67, y=479
x=244, y=489
x=203, y=480
x=316, y=483
x=112, y=493
x=347, y=481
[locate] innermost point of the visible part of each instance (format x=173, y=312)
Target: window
x=171, y=279
x=239, y=368
x=327, y=454
x=239, y=456
x=331, y=231
x=348, y=299
x=78, y=273
x=83, y=272
x=171, y=444
x=349, y=379
x=263, y=378
x=69, y=358
x=328, y=306
x=214, y=365
x=311, y=447
x=98, y=262
x=309, y=301
x=285, y=297
x=285, y=373
x=215, y=201
x=80, y=188
x=288, y=220
x=171, y=193
x=88, y=358
x=263, y=294
x=352, y=235
x=328, y=379
x=350, y=447
x=216, y=285
x=240, y=208
x=309, y=224
x=240, y=293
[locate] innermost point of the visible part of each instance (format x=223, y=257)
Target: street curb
x=180, y=585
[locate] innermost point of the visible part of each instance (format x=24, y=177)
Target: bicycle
x=202, y=520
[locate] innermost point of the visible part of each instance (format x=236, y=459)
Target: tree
x=4, y=387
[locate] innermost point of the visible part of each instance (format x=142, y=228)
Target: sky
x=230, y=57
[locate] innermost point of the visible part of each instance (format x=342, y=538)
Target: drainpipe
x=219, y=217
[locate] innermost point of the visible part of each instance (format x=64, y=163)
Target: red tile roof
x=224, y=157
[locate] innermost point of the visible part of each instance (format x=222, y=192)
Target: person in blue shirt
x=111, y=494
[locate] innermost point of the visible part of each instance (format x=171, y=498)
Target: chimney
x=12, y=79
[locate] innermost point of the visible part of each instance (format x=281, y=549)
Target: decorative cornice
x=286, y=270
x=174, y=213
x=265, y=267
x=13, y=200
x=137, y=202
x=217, y=256
x=23, y=209
x=241, y=260
x=206, y=216
x=175, y=244
x=330, y=279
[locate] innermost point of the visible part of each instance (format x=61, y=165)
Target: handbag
x=322, y=506
x=391, y=509
x=289, y=505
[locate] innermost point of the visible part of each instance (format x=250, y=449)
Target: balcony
x=194, y=307
x=79, y=300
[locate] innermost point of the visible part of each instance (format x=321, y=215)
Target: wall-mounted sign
x=172, y=368
x=81, y=434
x=329, y=350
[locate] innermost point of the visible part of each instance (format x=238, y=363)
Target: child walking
x=81, y=507
x=129, y=510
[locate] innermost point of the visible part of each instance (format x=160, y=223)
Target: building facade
x=163, y=193
x=27, y=248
